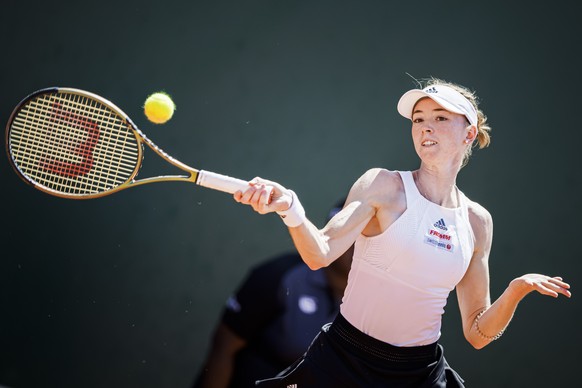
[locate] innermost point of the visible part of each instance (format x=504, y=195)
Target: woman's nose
x=427, y=128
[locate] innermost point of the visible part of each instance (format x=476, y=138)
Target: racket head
x=73, y=144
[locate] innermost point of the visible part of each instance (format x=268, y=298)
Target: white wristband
x=295, y=215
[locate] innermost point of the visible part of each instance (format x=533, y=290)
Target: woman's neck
x=437, y=186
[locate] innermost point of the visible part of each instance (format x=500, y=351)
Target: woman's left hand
x=545, y=285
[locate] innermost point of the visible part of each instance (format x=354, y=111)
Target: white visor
x=445, y=96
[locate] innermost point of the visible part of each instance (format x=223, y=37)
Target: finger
x=560, y=286
x=267, y=183
x=558, y=289
x=258, y=181
x=255, y=198
x=554, y=290
x=558, y=280
x=542, y=289
x=563, y=289
x=270, y=193
x=247, y=195
x=263, y=202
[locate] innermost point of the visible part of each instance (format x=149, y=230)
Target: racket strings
x=73, y=144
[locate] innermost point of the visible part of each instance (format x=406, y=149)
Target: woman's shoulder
x=480, y=218
x=380, y=176
x=477, y=210
x=379, y=184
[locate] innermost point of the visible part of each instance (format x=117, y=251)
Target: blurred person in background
x=272, y=318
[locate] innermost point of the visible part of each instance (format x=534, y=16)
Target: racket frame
x=203, y=178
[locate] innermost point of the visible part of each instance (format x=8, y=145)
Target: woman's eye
x=417, y=120
x=441, y=118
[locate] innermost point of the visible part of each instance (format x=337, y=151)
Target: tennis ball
x=159, y=108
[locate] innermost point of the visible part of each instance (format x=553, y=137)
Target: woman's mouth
x=428, y=143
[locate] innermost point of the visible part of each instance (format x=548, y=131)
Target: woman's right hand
x=265, y=196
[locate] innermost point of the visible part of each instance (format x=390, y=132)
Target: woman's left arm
x=484, y=322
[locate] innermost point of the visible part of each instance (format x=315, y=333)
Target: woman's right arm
x=320, y=247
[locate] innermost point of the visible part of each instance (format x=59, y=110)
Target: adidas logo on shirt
x=440, y=224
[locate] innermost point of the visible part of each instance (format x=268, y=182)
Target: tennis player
x=417, y=236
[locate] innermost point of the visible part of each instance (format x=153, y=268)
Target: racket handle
x=220, y=182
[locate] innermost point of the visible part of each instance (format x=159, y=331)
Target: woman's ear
x=471, y=134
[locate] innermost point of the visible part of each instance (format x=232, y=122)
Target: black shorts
x=343, y=356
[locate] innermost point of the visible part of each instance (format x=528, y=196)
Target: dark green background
x=123, y=291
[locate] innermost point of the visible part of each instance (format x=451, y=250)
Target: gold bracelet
x=483, y=335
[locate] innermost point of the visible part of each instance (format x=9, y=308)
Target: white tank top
x=400, y=279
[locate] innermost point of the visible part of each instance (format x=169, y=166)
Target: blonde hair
x=483, y=128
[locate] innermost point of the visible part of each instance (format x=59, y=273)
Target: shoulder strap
x=465, y=211
x=412, y=193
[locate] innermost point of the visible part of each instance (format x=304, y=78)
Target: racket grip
x=220, y=182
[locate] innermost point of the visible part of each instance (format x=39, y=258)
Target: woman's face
x=440, y=137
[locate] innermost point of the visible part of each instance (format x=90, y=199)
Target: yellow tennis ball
x=159, y=108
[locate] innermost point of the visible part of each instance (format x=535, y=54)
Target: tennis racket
x=74, y=144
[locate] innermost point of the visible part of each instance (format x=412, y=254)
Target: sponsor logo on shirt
x=445, y=245
x=439, y=238
x=440, y=224
x=439, y=235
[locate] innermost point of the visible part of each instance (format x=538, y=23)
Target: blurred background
x=124, y=291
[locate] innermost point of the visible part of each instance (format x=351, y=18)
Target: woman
x=417, y=237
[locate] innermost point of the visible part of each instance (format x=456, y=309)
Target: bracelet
x=483, y=335
x=295, y=215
